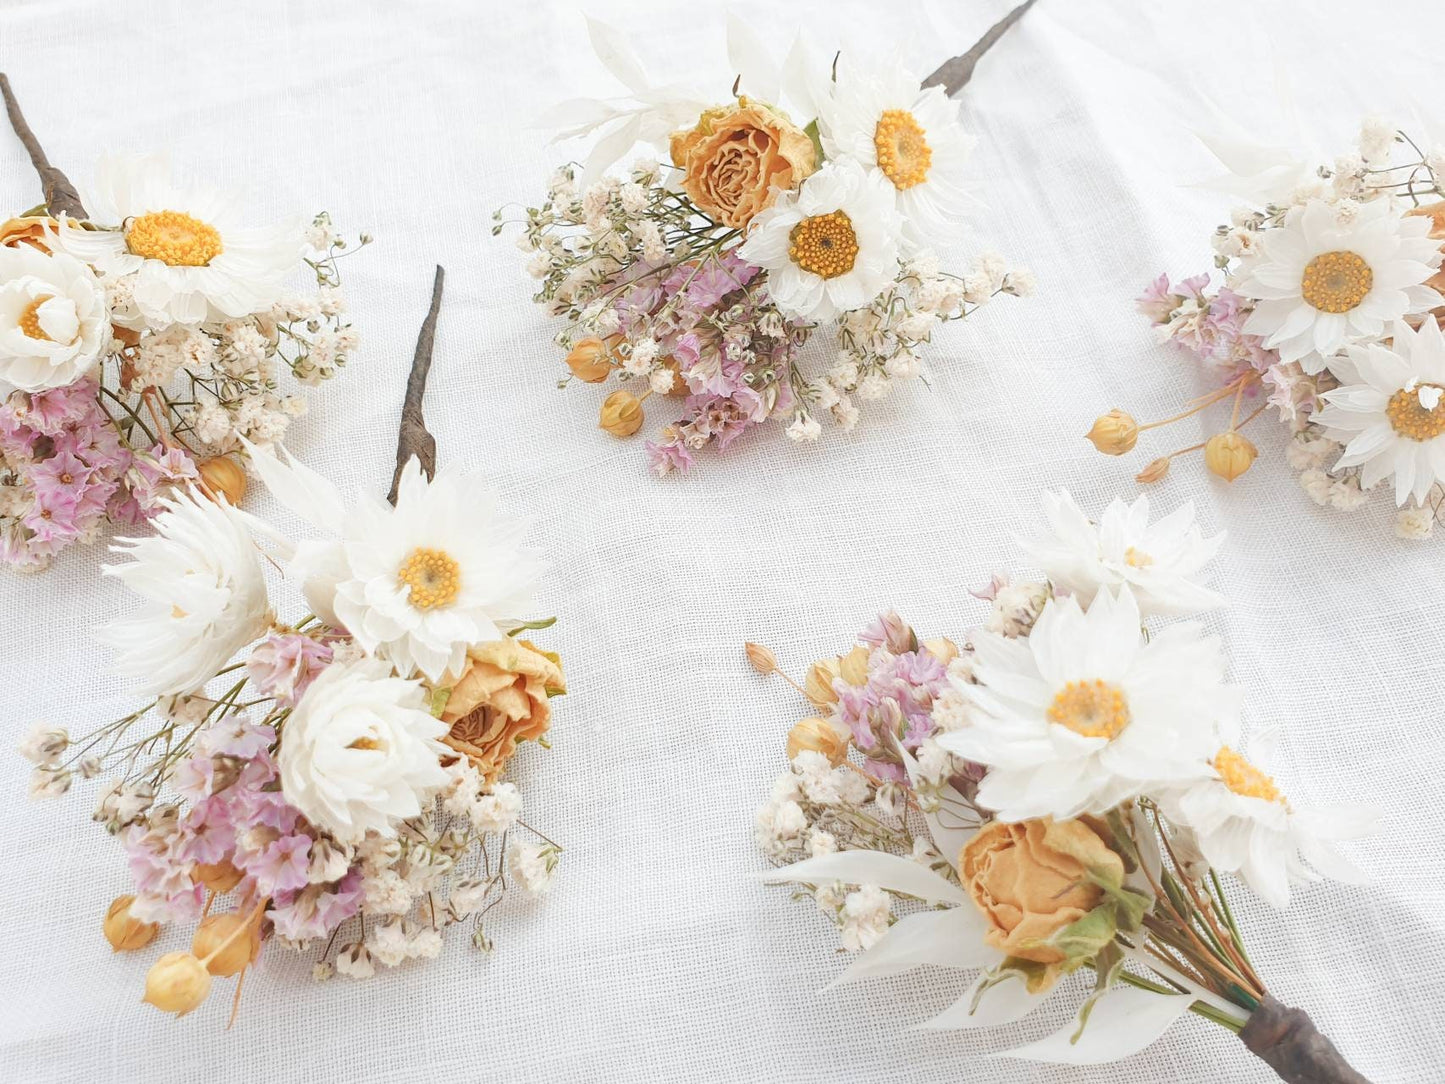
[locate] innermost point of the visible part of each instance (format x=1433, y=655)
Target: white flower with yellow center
x=830, y=247
x=361, y=751
x=54, y=323
x=1084, y=714
x=1159, y=561
x=1242, y=824
x=416, y=584
x=910, y=138
x=1390, y=416
x=202, y=577
x=1323, y=281
x=192, y=259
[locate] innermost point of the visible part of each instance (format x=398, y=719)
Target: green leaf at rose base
x=811, y=131
x=1108, y=962
x=439, y=698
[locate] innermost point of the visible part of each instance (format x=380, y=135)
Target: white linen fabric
x=656, y=955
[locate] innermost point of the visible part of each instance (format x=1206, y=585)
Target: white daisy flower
x=1389, y=414
x=1242, y=824
x=54, y=322
x=830, y=247
x=191, y=258
x=1157, y=560
x=202, y=576
x=1321, y=283
x=1084, y=714
x=416, y=584
x=910, y=138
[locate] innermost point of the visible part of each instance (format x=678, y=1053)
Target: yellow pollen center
x=1409, y=417
x=1336, y=281
x=365, y=743
x=30, y=319
x=1094, y=709
x=174, y=238
x=1244, y=778
x=433, y=577
x=904, y=155
x=1135, y=558
x=824, y=244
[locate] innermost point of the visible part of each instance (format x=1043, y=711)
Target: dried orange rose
x=737, y=157
x=26, y=231
x=500, y=701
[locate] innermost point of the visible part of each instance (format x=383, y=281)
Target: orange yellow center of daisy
x=1137, y=558
x=29, y=320
x=174, y=238
x=824, y=244
x=1244, y=778
x=1410, y=417
x=1093, y=709
x=904, y=155
x=433, y=577
x=1336, y=281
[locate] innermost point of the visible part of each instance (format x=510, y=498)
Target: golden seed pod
x=821, y=736
x=177, y=982
x=219, y=876
x=589, y=361
x=233, y=947
x=760, y=658
x=943, y=649
x=1114, y=433
x=1154, y=471
x=621, y=414
x=1229, y=454
x=818, y=686
x=853, y=667
x=224, y=476
x=124, y=931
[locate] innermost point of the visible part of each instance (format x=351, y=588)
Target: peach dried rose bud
x=589, y=360
x=820, y=736
x=224, y=477
x=621, y=414
x=177, y=982
x=760, y=658
x=1229, y=455
x=227, y=942
x=123, y=930
x=501, y=699
x=1114, y=433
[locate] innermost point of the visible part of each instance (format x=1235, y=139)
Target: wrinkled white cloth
x=656, y=955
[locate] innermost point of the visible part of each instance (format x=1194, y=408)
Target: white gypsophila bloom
x=205, y=592
x=360, y=751
x=54, y=320
x=191, y=258
x=864, y=917
x=830, y=247
x=1415, y=523
x=354, y=961
x=1377, y=140
x=1243, y=825
x=1016, y=607
x=44, y=745
x=661, y=381
x=532, y=865
x=1085, y=714
x=911, y=139
x=466, y=896
x=387, y=942
x=1388, y=412
x=415, y=584
x=820, y=843
x=497, y=811
x=1320, y=284
x=1159, y=561
x=804, y=429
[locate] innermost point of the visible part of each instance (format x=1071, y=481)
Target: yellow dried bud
x=223, y=476
x=1114, y=433
x=760, y=658
x=818, y=687
x=223, y=945
x=1154, y=471
x=943, y=649
x=123, y=930
x=589, y=361
x=219, y=876
x=1229, y=454
x=621, y=414
x=853, y=667
x=177, y=982
x=821, y=736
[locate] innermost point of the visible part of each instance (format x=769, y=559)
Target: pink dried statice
x=1209, y=326
x=285, y=664
x=317, y=909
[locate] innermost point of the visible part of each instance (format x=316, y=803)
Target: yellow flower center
x=904, y=155
x=432, y=575
x=1411, y=419
x=174, y=238
x=824, y=244
x=1094, y=709
x=1336, y=281
x=30, y=319
x=1244, y=778
x=1136, y=558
